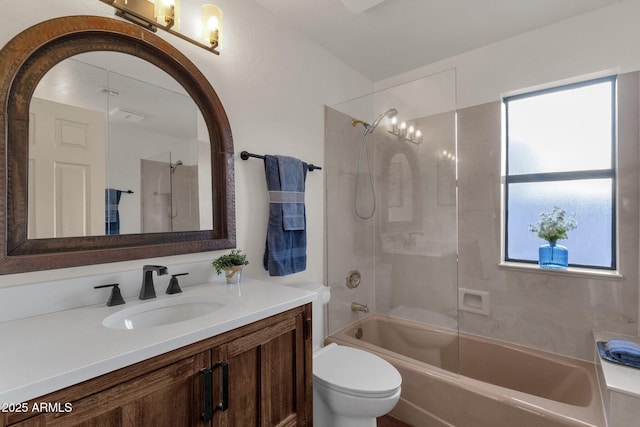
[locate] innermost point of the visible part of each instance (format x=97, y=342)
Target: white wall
x=604, y=40
x=273, y=83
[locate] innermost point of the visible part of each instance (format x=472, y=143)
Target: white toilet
x=351, y=387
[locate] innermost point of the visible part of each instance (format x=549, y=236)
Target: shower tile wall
x=168, y=205
x=419, y=256
x=350, y=240
x=406, y=252
x=552, y=312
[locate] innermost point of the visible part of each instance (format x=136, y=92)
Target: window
x=560, y=151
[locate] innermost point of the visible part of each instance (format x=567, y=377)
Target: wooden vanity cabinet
x=166, y=396
x=266, y=377
x=266, y=366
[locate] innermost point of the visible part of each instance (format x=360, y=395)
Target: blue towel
x=111, y=213
x=292, y=177
x=624, y=350
x=605, y=354
x=286, y=245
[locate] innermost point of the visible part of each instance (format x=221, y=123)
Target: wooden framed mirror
x=24, y=61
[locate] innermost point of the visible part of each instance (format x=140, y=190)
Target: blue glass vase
x=553, y=256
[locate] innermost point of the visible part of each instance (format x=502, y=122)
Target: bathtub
x=476, y=382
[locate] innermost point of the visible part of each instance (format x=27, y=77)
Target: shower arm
x=355, y=122
x=369, y=128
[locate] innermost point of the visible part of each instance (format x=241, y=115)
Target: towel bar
x=245, y=155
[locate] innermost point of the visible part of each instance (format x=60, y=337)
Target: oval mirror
x=63, y=209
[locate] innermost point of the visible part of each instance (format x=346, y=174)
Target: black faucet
x=174, y=286
x=148, y=291
x=116, y=297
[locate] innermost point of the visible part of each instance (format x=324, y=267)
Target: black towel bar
x=245, y=155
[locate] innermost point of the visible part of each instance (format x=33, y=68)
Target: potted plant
x=553, y=226
x=231, y=264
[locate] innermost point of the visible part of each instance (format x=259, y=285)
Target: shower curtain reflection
x=407, y=251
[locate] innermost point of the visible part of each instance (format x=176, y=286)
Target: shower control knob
x=353, y=279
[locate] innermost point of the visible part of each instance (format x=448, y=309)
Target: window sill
x=570, y=272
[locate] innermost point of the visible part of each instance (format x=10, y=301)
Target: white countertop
x=620, y=378
x=45, y=353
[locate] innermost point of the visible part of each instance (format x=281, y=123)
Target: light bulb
x=403, y=129
x=410, y=132
x=211, y=24
x=167, y=11
x=394, y=124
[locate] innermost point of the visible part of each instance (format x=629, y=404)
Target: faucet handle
x=174, y=287
x=116, y=297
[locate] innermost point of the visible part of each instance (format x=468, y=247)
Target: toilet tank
x=323, y=295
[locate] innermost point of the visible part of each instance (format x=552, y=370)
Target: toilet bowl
x=351, y=387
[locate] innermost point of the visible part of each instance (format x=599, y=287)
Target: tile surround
x=415, y=266
x=555, y=313
x=548, y=312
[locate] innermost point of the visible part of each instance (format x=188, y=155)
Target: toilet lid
x=355, y=372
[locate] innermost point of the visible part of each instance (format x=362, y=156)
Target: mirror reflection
x=400, y=191
x=116, y=146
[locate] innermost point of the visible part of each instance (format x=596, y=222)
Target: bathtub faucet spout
x=356, y=306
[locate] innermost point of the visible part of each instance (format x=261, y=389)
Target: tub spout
x=356, y=306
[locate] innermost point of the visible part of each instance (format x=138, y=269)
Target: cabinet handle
x=207, y=414
x=224, y=398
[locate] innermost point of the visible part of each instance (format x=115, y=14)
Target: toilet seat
x=355, y=372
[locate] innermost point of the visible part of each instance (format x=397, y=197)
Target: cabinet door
x=266, y=377
x=168, y=397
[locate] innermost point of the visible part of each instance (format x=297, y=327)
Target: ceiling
x=101, y=81
x=384, y=38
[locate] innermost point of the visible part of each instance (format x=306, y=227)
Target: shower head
x=369, y=128
x=173, y=166
x=391, y=112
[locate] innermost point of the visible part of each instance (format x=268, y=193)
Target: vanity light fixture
x=406, y=132
x=447, y=156
x=211, y=24
x=165, y=15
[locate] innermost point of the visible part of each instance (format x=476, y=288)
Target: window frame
x=543, y=177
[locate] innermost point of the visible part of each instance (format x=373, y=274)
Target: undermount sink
x=162, y=312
